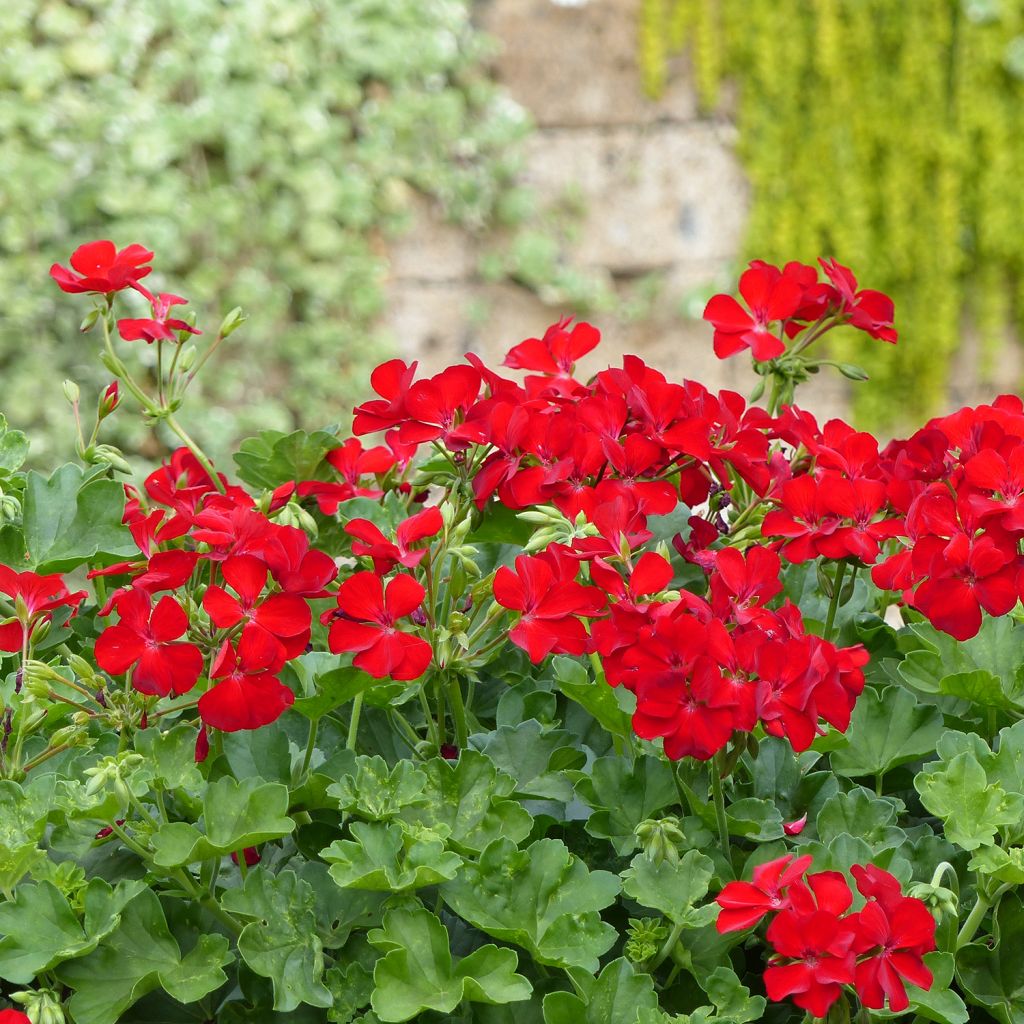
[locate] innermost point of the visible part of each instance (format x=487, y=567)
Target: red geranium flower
x=34, y=597
x=280, y=620
x=544, y=590
x=771, y=296
x=556, y=353
x=813, y=945
x=14, y=1017
x=744, y=904
x=868, y=310
x=103, y=268
x=247, y=694
x=367, y=626
x=160, y=327
x=145, y=637
x=386, y=555
x=895, y=931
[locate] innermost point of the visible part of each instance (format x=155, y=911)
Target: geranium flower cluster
x=959, y=482
x=705, y=668
x=253, y=579
x=819, y=945
x=784, y=303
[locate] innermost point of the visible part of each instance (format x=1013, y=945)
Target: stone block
x=576, y=64
x=654, y=197
x=431, y=249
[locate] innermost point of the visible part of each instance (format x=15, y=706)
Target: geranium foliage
x=542, y=698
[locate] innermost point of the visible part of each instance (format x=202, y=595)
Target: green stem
x=718, y=796
x=44, y=756
x=833, y=606
x=194, y=448
x=307, y=757
x=399, y=720
x=666, y=948
x=458, y=712
x=973, y=922
x=353, y=725
x=428, y=716
x=122, y=372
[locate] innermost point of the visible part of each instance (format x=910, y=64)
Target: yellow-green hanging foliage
x=890, y=134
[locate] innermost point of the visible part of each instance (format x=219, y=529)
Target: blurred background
x=370, y=178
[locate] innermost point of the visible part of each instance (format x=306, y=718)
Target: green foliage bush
x=266, y=147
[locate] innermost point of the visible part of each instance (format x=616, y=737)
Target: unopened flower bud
x=42, y=1007
x=232, y=322
x=89, y=321
x=660, y=839
x=72, y=392
x=82, y=669
x=109, y=400
x=111, y=456
x=66, y=735
x=188, y=358
x=112, y=363
x=938, y=898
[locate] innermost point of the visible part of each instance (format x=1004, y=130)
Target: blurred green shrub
x=265, y=149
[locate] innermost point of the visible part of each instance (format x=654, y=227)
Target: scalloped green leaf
x=541, y=898
x=417, y=972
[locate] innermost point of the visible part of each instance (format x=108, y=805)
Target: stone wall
x=661, y=191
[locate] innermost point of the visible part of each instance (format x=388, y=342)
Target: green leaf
x=70, y=519
x=377, y=792
x=778, y=778
x=139, y=957
x=13, y=448
x=471, y=801
x=623, y=795
x=888, y=728
x=24, y=810
x=171, y=755
x=339, y=911
x=757, y=820
x=282, y=943
x=534, y=757
x=617, y=996
x=993, y=978
x=862, y=814
x=40, y=930
x=732, y=1000
x=972, y=809
x=15, y=863
x=236, y=815
x=417, y=972
x=595, y=696
x=273, y=457
x=331, y=689
x=1004, y=865
x=384, y=859
x=672, y=888
x=541, y=898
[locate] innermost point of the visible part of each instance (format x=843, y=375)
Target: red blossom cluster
x=193, y=533
x=626, y=445
x=819, y=945
x=959, y=485
x=705, y=668
x=785, y=303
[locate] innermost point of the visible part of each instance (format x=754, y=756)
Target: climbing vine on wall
x=889, y=134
